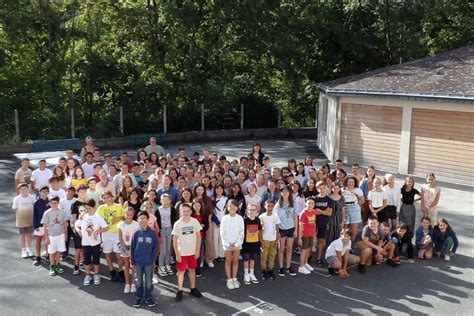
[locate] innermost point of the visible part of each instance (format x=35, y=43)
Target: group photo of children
x=157, y=215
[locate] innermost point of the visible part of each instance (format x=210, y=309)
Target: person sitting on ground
x=445, y=240
x=338, y=254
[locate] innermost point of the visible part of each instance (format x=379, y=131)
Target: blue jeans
x=445, y=246
x=165, y=247
x=399, y=249
x=147, y=272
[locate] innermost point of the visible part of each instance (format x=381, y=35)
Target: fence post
x=316, y=114
x=17, y=128
x=241, y=116
x=121, y=120
x=73, y=131
x=202, y=117
x=165, y=128
x=279, y=117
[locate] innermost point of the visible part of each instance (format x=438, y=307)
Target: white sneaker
x=230, y=284
x=314, y=249
x=87, y=280
x=24, y=253
x=162, y=271
x=210, y=264
x=133, y=288
x=29, y=252
x=126, y=290
x=253, y=278
x=247, y=279
x=201, y=265
x=168, y=270
x=236, y=283
x=307, y=266
x=96, y=279
x=155, y=279
x=303, y=270
x=447, y=257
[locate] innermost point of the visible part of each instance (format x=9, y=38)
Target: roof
x=447, y=76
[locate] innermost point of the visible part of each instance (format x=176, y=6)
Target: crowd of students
x=157, y=210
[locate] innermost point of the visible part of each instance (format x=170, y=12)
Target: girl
x=150, y=196
x=377, y=200
x=272, y=193
x=207, y=208
x=310, y=189
x=227, y=182
x=298, y=197
x=166, y=216
x=288, y=230
x=408, y=210
x=300, y=174
x=153, y=157
x=341, y=175
x=133, y=202
x=153, y=225
x=366, y=186
x=336, y=222
x=78, y=178
x=257, y=153
x=236, y=194
x=186, y=197
x=127, y=186
x=173, y=173
x=59, y=172
x=329, y=181
x=203, y=221
x=292, y=165
x=69, y=171
x=306, y=235
x=445, y=240
x=181, y=184
x=253, y=198
x=141, y=155
x=430, y=194
x=232, y=236
x=392, y=193
x=251, y=180
x=219, y=202
x=354, y=198
x=424, y=239
x=126, y=230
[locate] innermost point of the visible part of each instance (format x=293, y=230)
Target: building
x=412, y=118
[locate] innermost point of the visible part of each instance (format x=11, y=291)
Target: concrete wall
x=328, y=139
x=136, y=141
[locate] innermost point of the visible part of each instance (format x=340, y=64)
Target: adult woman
x=354, y=198
x=88, y=148
x=366, y=186
x=288, y=231
x=337, y=220
x=445, y=240
x=257, y=153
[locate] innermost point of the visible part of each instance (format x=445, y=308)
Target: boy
x=40, y=176
x=113, y=214
x=270, y=237
x=39, y=208
x=66, y=205
x=166, y=216
x=55, y=232
x=370, y=243
x=89, y=228
x=187, y=246
x=55, y=190
x=338, y=254
x=143, y=251
x=324, y=206
x=306, y=235
x=92, y=192
x=23, y=205
x=402, y=240
x=251, y=245
x=77, y=210
x=23, y=175
x=388, y=244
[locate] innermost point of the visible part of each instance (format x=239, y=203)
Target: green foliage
x=96, y=56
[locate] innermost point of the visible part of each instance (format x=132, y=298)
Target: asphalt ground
x=433, y=287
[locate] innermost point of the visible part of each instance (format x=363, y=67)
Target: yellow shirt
x=112, y=214
x=77, y=182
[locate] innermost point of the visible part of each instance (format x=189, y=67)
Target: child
x=23, y=205
x=251, y=245
x=324, y=208
x=143, y=251
x=55, y=190
x=186, y=244
x=445, y=240
x=306, y=235
x=338, y=254
x=377, y=200
x=204, y=222
x=370, y=244
x=270, y=237
x=392, y=192
x=112, y=213
x=408, y=210
x=89, y=228
x=166, y=216
x=127, y=228
x=152, y=223
x=424, y=239
x=55, y=231
x=252, y=197
x=92, y=192
x=388, y=244
x=77, y=210
x=66, y=205
x=232, y=235
x=39, y=208
x=402, y=240
x=430, y=194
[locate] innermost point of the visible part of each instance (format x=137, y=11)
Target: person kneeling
x=338, y=254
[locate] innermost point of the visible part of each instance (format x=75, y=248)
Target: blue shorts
x=287, y=233
x=353, y=215
x=246, y=256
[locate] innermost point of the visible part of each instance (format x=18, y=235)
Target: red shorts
x=186, y=262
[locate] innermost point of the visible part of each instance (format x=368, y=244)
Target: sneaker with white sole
x=201, y=265
x=162, y=271
x=247, y=279
x=127, y=289
x=230, y=284
x=210, y=264
x=87, y=280
x=253, y=278
x=309, y=267
x=303, y=270
x=155, y=279
x=133, y=288
x=29, y=252
x=168, y=270
x=447, y=257
x=24, y=253
x=236, y=283
x=96, y=279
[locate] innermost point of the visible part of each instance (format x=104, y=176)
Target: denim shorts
x=246, y=256
x=353, y=215
x=287, y=233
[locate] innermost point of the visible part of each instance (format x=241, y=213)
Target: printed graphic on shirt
x=251, y=234
x=187, y=230
x=312, y=219
x=90, y=227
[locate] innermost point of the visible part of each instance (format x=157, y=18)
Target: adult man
x=153, y=147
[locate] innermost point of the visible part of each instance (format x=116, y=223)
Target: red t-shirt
x=308, y=220
x=199, y=219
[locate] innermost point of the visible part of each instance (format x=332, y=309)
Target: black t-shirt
x=322, y=203
x=77, y=208
x=251, y=235
x=408, y=197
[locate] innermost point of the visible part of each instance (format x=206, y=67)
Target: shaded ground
x=424, y=288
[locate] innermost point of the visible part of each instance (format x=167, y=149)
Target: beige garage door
x=370, y=135
x=442, y=143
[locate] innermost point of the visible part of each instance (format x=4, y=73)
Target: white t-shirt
x=66, y=204
x=87, y=225
x=60, y=193
x=269, y=226
x=41, y=177
x=187, y=235
x=352, y=196
x=393, y=195
x=88, y=169
x=377, y=198
x=337, y=245
x=24, y=210
x=128, y=230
